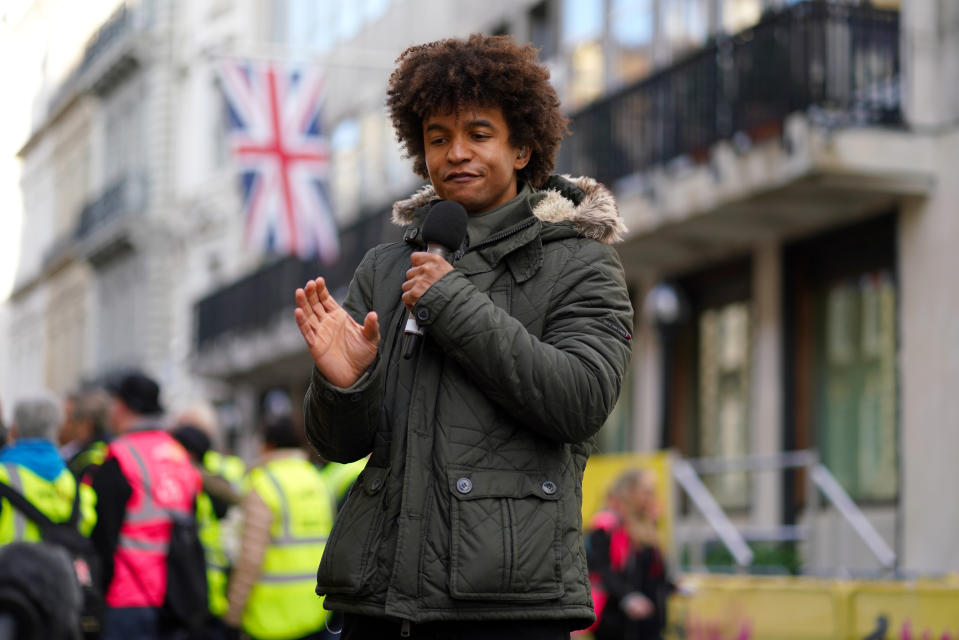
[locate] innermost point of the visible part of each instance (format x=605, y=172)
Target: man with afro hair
x=466, y=521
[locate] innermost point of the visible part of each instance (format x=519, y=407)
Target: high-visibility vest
x=230, y=468
x=162, y=481
x=340, y=477
x=282, y=603
x=217, y=563
x=619, y=549
x=53, y=497
x=87, y=461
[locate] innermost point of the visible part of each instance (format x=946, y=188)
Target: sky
x=40, y=41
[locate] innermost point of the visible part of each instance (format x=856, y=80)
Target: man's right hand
x=342, y=349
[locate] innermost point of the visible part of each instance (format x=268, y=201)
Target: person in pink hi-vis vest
x=147, y=476
x=627, y=573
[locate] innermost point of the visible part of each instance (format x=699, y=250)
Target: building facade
x=130, y=210
x=785, y=169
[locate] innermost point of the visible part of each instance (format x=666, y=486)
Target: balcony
x=126, y=196
x=253, y=304
x=837, y=63
x=109, y=56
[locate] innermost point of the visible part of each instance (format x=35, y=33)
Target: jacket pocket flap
x=468, y=483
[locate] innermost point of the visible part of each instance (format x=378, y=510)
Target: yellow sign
x=601, y=470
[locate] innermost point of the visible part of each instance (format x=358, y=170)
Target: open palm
x=341, y=348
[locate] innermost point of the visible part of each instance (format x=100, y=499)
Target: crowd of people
x=111, y=453
x=182, y=540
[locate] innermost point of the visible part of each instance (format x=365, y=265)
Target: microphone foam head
x=445, y=224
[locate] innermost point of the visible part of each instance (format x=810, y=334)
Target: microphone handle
x=414, y=334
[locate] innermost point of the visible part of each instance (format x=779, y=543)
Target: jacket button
x=422, y=314
x=374, y=485
x=464, y=485
x=549, y=488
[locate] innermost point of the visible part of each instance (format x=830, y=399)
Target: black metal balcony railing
x=255, y=301
x=125, y=196
x=838, y=62
x=117, y=25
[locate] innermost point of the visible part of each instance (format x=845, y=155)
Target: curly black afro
x=483, y=71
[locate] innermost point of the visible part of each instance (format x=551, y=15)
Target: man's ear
x=522, y=158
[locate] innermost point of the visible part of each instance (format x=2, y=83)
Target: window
x=631, y=26
x=856, y=397
x=123, y=134
x=221, y=126
x=582, y=21
x=684, y=23
x=119, y=324
x=724, y=382
x=345, y=166
x=740, y=14
x=709, y=375
x=321, y=25
x=841, y=327
x=542, y=29
x=583, y=24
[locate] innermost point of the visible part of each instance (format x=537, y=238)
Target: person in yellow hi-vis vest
x=225, y=465
x=216, y=489
x=340, y=477
x=287, y=515
x=32, y=466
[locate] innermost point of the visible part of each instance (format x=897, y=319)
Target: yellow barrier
x=799, y=608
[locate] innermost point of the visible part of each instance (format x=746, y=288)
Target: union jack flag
x=282, y=155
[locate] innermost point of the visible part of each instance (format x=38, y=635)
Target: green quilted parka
x=470, y=505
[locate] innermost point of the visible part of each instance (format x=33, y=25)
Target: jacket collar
x=585, y=204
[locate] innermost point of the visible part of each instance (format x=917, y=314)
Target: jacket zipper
x=502, y=235
x=405, y=629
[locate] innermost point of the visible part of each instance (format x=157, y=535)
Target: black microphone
x=443, y=232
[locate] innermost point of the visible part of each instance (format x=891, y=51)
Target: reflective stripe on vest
x=288, y=539
x=19, y=520
x=149, y=510
x=282, y=603
x=54, y=498
x=217, y=563
x=162, y=483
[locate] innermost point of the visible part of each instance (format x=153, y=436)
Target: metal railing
x=686, y=474
x=840, y=63
x=254, y=302
x=116, y=27
x=126, y=196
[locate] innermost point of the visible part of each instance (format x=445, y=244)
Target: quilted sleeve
x=564, y=384
x=339, y=422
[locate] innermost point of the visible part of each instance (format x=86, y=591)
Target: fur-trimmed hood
x=583, y=201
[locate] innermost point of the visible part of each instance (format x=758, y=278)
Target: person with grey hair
x=85, y=433
x=32, y=466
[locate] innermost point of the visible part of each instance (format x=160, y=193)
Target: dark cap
x=195, y=441
x=138, y=391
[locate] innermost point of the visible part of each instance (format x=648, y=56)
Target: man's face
x=470, y=159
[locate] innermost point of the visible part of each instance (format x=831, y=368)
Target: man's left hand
x=426, y=270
